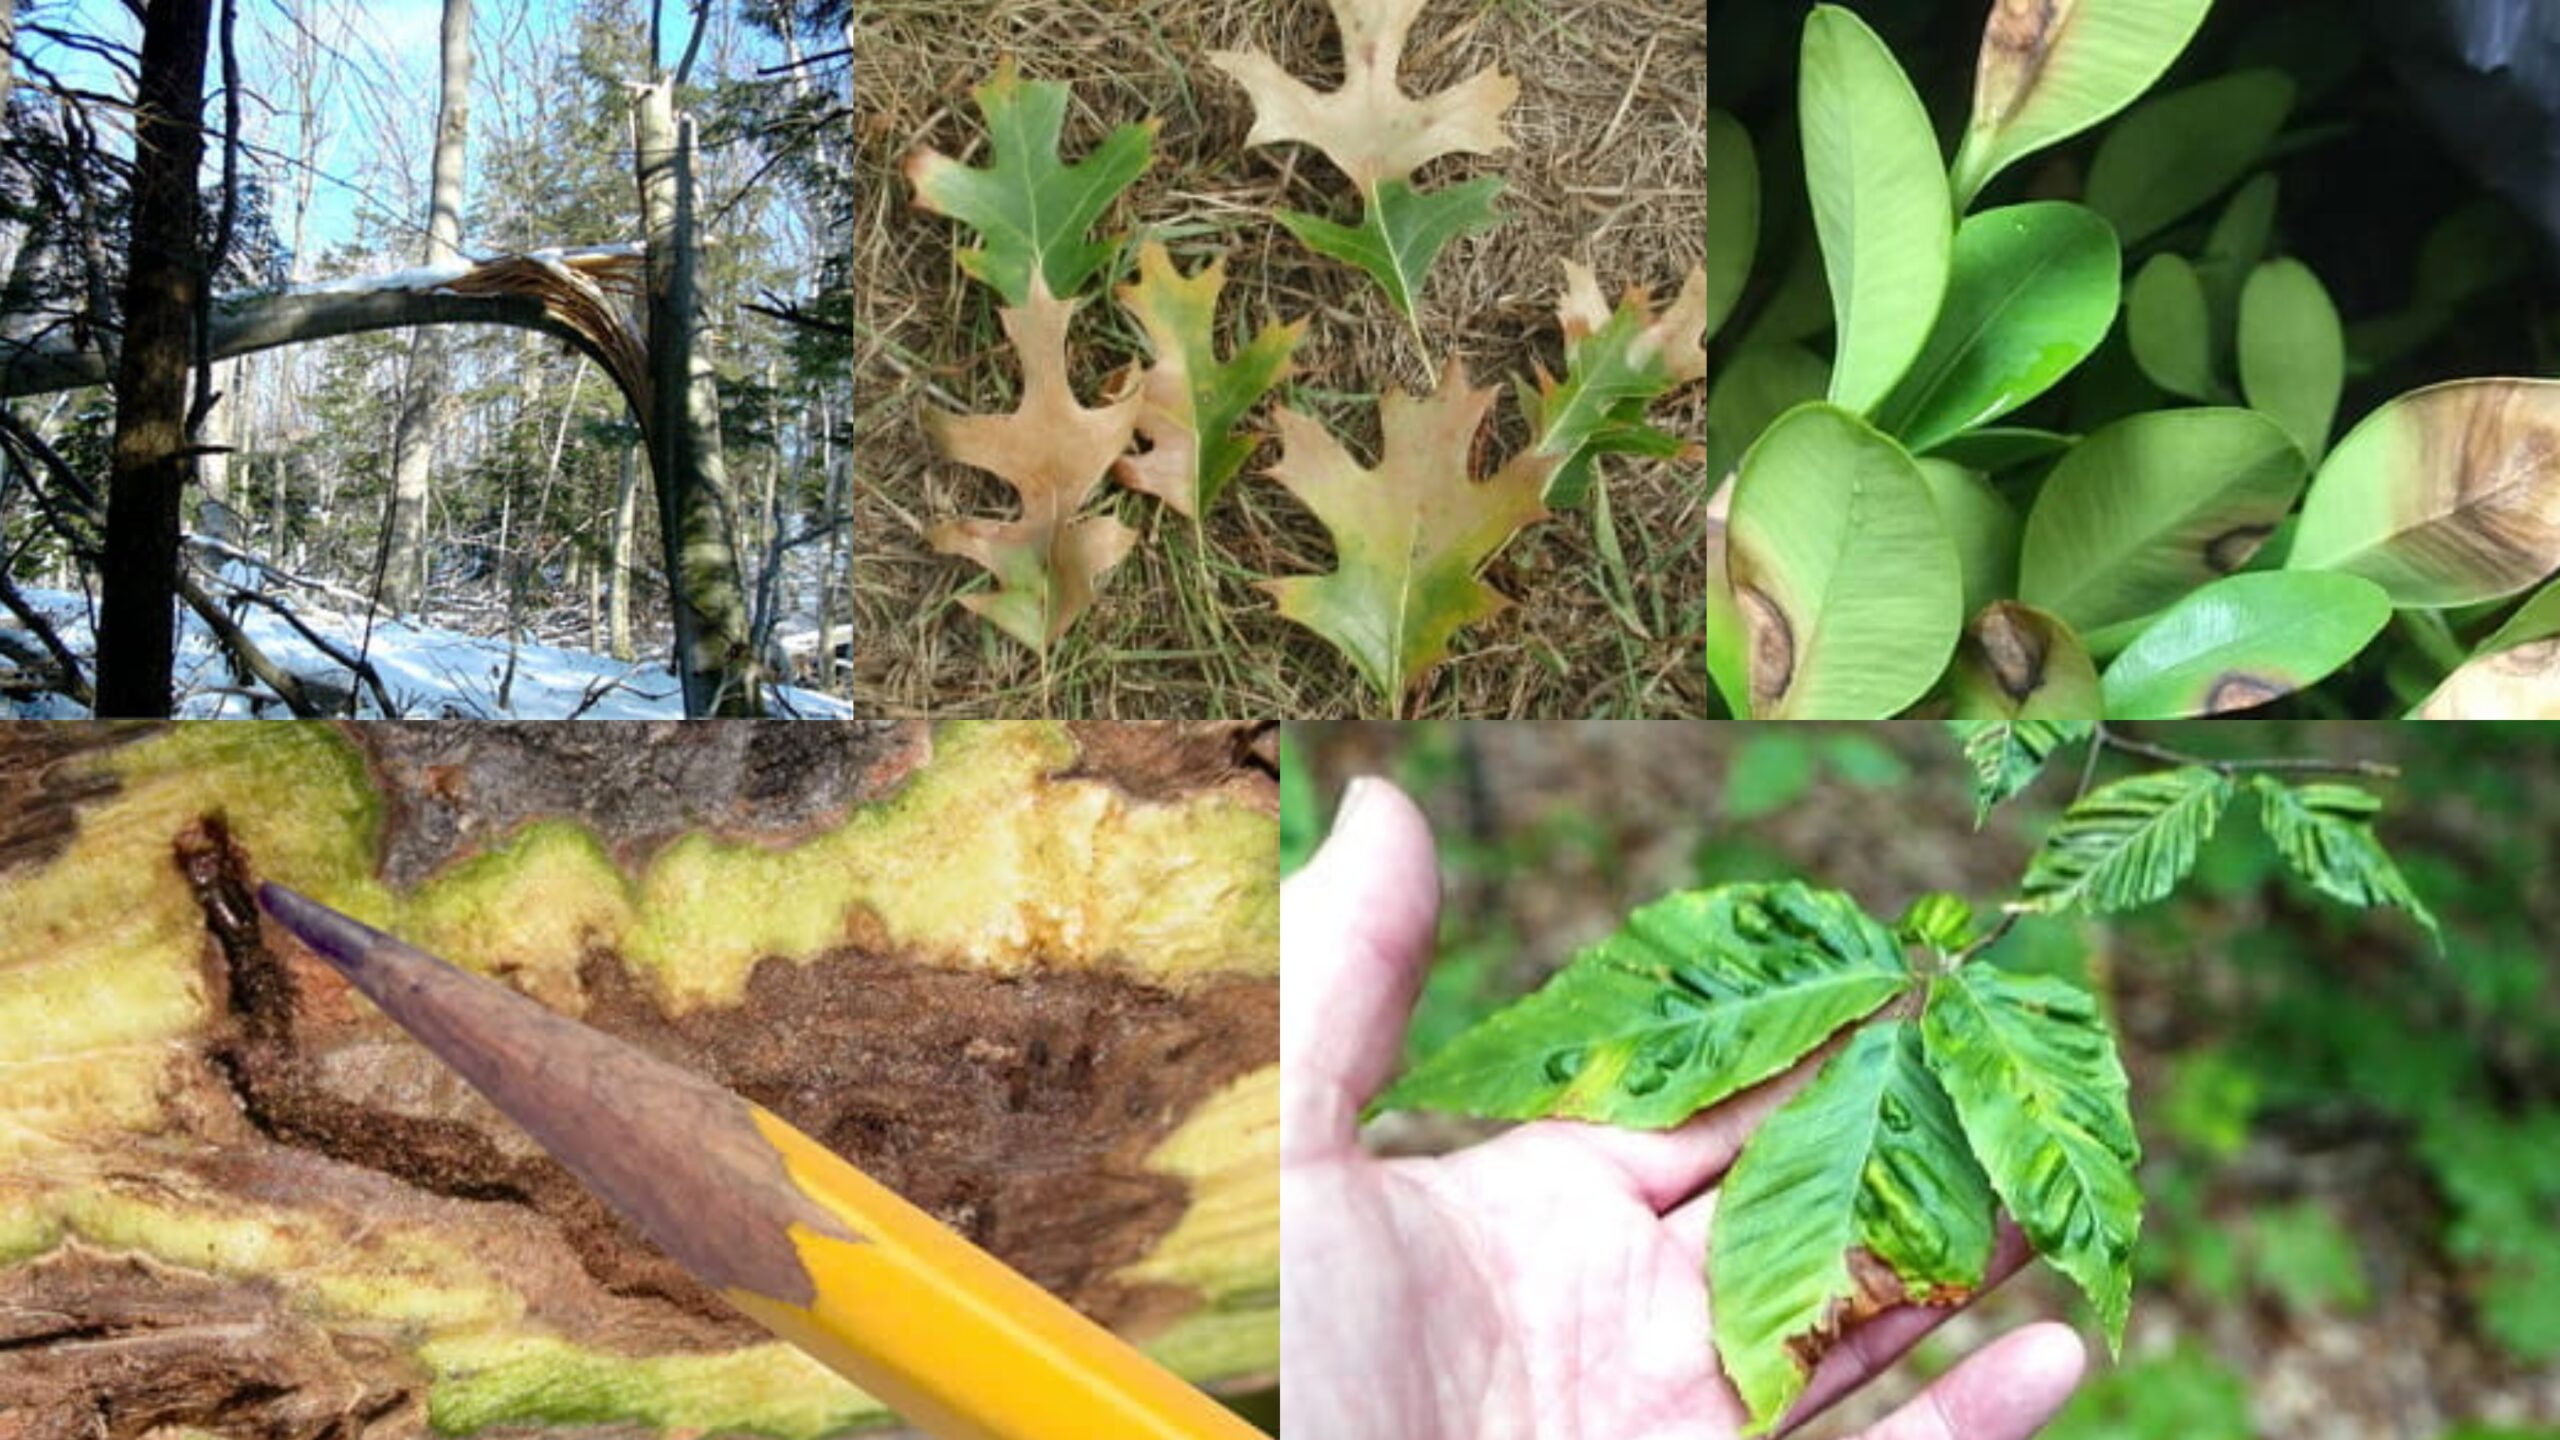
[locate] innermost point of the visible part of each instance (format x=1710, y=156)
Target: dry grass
x=1609, y=169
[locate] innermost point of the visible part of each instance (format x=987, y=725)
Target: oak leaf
x=1030, y=210
x=1409, y=536
x=1618, y=361
x=1378, y=136
x=1192, y=399
x=1370, y=129
x=1054, y=452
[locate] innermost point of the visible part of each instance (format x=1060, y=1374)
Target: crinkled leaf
x=2050, y=69
x=2293, y=354
x=2126, y=844
x=1939, y=920
x=1193, y=401
x=1858, y=1195
x=2325, y=832
x=2007, y=755
x=1409, y=536
x=2018, y=663
x=1031, y=212
x=1871, y=173
x=2175, y=152
x=1617, y=363
x=2445, y=496
x=1401, y=232
x=1701, y=995
x=2242, y=642
x=1054, y=452
x=2036, y=1083
x=1370, y=129
x=2032, y=291
x=1733, y=214
x=2149, y=508
x=1849, y=591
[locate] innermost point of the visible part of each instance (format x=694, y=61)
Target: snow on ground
x=431, y=673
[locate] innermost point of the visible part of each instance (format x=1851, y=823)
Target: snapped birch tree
x=404, y=568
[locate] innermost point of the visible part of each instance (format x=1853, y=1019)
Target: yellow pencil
x=805, y=1244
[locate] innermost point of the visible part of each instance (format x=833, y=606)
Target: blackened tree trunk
x=404, y=571
x=150, y=462
x=714, y=658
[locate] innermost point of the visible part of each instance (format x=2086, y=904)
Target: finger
x=1872, y=1348
x=1355, y=931
x=2005, y=1391
x=1662, y=1167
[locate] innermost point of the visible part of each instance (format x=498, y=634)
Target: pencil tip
x=335, y=938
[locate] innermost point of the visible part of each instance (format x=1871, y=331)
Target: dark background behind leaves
x=2353, y=1172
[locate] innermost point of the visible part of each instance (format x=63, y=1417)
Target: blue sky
x=398, y=35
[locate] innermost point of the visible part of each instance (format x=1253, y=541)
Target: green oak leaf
x=1701, y=995
x=1858, y=1194
x=1401, y=231
x=1031, y=212
x=1193, y=401
x=2126, y=844
x=2007, y=755
x=2036, y=1082
x=2325, y=832
x=1615, y=367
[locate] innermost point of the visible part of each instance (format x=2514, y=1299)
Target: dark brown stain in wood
x=48, y=775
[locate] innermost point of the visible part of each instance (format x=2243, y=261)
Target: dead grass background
x=1609, y=169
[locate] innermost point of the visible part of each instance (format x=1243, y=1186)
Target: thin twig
x=2297, y=764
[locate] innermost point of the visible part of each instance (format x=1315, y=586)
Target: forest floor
x=1550, y=835
x=429, y=672
x=1608, y=170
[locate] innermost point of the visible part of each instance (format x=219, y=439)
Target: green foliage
x=2007, y=755
x=2172, y=155
x=2126, y=844
x=1301, y=820
x=1701, y=995
x=1030, y=211
x=1401, y=232
x=1867, y=1158
x=2034, y=1075
x=1871, y=172
x=1773, y=768
x=2301, y=1254
x=2242, y=641
x=2325, y=832
x=2183, y=1395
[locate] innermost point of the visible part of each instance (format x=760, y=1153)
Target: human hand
x=1550, y=1282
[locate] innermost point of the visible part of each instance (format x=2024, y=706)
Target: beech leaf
x=2007, y=755
x=1860, y=1194
x=1409, y=536
x=1370, y=129
x=2126, y=844
x=2035, y=1079
x=1617, y=362
x=1030, y=211
x=2325, y=832
x=1701, y=995
x=1192, y=399
x=1054, y=452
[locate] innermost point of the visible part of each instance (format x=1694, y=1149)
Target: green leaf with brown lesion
x=1702, y=994
x=1857, y=1196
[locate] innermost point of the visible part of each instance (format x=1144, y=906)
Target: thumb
x=1355, y=935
